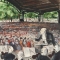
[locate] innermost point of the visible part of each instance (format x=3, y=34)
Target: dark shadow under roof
x=36, y=5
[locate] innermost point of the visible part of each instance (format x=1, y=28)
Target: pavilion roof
x=36, y=5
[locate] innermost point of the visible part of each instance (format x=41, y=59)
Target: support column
x=40, y=17
x=59, y=13
x=59, y=16
x=22, y=16
x=19, y=17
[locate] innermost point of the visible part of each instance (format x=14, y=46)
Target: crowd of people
x=43, y=47
x=18, y=45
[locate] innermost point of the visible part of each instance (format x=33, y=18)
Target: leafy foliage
x=53, y=14
x=31, y=15
x=47, y=15
x=7, y=11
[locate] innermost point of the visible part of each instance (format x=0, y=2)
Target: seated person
x=20, y=50
x=7, y=56
x=28, y=43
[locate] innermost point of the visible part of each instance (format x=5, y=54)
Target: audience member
x=28, y=43
x=7, y=56
x=24, y=42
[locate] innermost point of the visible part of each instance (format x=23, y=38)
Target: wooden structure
x=40, y=6
x=36, y=5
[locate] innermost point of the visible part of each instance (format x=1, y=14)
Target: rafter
x=50, y=8
x=41, y=6
x=46, y=6
x=28, y=1
x=35, y=5
x=54, y=1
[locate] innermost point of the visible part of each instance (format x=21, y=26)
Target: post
x=19, y=17
x=59, y=13
x=40, y=17
x=22, y=16
x=11, y=19
x=59, y=16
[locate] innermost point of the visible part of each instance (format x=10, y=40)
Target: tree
x=31, y=15
x=48, y=15
x=7, y=11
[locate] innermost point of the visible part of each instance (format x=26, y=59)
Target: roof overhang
x=36, y=5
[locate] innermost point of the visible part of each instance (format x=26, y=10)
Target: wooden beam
x=53, y=7
x=45, y=6
x=39, y=5
x=35, y=5
x=31, y=3
x=28, y=1
x=54, y=1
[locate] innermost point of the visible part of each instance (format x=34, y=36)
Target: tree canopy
x=7, y=11
x=53, y=14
